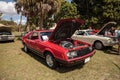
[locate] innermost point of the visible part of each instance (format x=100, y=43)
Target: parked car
x=57, y=46
x=98, y=40
x=5, y=33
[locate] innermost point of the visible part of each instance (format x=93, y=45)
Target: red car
x=57, y=46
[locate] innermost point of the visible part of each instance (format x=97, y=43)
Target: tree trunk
x=20, y=23
x=41, y=23
x=41, y=17
x=0, y=15
x=27, y=28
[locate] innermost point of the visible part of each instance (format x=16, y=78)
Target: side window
x=45, y=35
x=80, y=33
x=85, y=34
x=33, y=36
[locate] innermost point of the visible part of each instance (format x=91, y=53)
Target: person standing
x=112, y=31
x=119, y=46
x=117, y=35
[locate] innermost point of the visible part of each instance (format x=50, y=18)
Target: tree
x=37, y=10
x=67, y=10
x=111, y=10
x=20, y=4
x=96, y=12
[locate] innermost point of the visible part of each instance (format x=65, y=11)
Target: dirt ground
x=15, y=64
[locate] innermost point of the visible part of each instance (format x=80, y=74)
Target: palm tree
x=19, y=9
x=37, y=8
x=22, y=7
x=45, y=9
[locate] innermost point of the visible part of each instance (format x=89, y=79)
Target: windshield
x=45, y=35
x=85, y=33
x=90, y=32
x=5, y=33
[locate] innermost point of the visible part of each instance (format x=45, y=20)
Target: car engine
x=69, y=44
x=66, y=44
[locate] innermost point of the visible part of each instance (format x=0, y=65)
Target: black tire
x=25, y=48
x=110, y=47
x=12, y=41
x=98, y=45
x=50, y=61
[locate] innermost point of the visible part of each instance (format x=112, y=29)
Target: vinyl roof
x=2, y=25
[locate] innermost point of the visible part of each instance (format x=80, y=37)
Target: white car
x=5, y=33
x=98, y=40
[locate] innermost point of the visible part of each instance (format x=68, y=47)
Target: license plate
x=87, y=59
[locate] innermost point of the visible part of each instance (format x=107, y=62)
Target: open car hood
x=106, y=27
x=66, y=28
x=4, y=28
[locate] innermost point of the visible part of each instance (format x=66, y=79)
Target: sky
x=7, y=7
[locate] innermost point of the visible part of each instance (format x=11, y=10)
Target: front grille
x=83, y=51
x=4, y=37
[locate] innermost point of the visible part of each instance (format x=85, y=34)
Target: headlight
x=71, y=54
x=109, y=41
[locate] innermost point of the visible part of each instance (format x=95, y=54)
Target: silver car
x=98, y=40
x=5, y=33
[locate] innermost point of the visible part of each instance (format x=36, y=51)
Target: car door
x=43, y=37
x=79, y=35
x=83, y=36
x=33, y=38
x=42, y=42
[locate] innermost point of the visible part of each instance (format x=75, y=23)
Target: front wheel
x=25, y=48
x=50, y=61
x=98, y=45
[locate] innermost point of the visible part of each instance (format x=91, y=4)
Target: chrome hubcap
x=49, y=60
x=98, y=45
x=25, y=48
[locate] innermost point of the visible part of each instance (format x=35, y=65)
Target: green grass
x=15, y=64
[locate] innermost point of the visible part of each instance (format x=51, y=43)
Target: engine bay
x=66, y=44
x=69, y=44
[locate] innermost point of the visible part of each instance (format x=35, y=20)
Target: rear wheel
x=98, y=45
x=50, y=61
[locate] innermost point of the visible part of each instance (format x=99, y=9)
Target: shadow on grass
x=61, y=68
x=2, y=42
x=35, y=56
x=65, y=69
x=116, y=65
x=112, y=51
